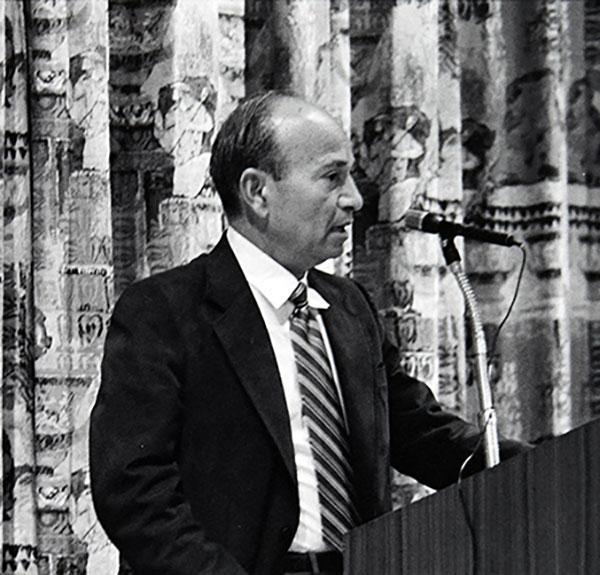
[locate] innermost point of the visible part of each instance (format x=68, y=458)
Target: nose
x=351, y=198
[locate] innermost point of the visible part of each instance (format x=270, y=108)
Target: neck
x=261, y=242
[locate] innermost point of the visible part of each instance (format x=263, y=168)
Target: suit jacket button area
x=286, y=530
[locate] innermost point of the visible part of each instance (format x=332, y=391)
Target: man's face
x=312, y=205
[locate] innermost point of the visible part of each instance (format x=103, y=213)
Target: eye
x=334, y=177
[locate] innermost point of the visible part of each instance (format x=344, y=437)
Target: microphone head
x=435, y=224
x=413, y=219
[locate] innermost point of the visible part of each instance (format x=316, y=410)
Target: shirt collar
x=270, y=278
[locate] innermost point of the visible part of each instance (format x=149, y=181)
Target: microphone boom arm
x=488, y=422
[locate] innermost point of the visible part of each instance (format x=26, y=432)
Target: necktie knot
x=299, y=298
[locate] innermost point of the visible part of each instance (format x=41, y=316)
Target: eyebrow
x=337, y=164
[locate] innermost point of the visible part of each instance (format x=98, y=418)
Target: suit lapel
x=239, y=326
x=351, y=350
x=243, y=334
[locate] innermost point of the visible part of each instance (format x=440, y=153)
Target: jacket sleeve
x=134, y=437
x=426, y=441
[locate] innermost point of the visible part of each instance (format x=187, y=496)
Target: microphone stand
x=487, y=416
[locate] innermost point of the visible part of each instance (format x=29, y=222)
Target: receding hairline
x=288, y=113
x=298, y=109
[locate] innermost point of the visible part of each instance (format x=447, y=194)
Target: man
x=244, y=423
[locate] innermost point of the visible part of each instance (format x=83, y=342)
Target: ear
x=252, y=188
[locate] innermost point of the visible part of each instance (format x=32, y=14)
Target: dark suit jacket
x=192, y=463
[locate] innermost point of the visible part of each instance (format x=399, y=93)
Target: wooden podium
x=538, y=513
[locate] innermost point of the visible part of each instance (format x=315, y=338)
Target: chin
x=332, y=251
x=332, y=255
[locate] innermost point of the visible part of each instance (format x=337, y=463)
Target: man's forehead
x=299, y=125
x=292, y=113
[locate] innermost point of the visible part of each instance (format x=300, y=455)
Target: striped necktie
x=322, y=413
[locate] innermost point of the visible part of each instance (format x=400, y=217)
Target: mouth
x=341, y=228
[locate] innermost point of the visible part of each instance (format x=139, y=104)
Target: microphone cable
x=475, y=567
x=510, y=307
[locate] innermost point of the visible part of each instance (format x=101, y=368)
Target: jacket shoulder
x=175, y=285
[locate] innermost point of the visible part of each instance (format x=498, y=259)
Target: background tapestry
x=483, y=111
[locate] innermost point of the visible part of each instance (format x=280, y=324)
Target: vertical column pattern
x=184, y=87
x=19, y=532
x=6, y=456
x=449, y=201
x=72, y=249
x=413, y=260
x=584, y=145
x=526, y=190
x=165, y=80
x=492, y=269
x=395, y=122
x=141, y=171
x=232, y=39
x=298, y=27
x=584, y=208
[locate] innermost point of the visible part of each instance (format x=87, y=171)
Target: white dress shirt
x=272, y=284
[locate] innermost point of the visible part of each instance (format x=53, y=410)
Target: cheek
x=305, y=215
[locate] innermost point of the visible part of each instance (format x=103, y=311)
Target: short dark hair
x=246, y=140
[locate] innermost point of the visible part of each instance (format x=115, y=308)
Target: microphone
x=434, y=224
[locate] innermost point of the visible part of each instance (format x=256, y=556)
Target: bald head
x=302, y=128
x=255, y=136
